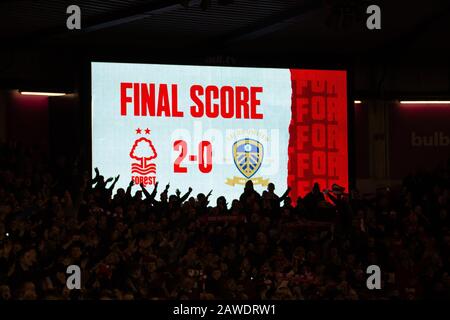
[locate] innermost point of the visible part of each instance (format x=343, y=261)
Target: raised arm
x=186, y=195
x=97, y=175
x=128, y=193
x=149, y=196
x=285, y=195
x=111, y=187
x=331, y=196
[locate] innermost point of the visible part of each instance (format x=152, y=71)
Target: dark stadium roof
x=286, y=24
x=36, y=45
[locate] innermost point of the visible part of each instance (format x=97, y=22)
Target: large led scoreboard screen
x=216, y=128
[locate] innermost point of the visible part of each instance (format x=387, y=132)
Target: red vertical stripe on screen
x=318, y=142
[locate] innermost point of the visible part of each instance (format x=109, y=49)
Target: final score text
x=161, y=100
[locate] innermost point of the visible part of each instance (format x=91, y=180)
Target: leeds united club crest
x=248, y=156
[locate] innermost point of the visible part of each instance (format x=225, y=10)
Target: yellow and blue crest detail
x=248, y=155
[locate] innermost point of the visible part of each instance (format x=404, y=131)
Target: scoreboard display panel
x=215, y=128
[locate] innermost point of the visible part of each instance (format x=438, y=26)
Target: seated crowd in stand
x=162, y=244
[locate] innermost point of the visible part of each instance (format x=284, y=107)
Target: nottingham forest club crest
x=248, y=155
x=143, y=171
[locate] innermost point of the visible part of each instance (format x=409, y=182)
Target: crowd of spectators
x=158, y=243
